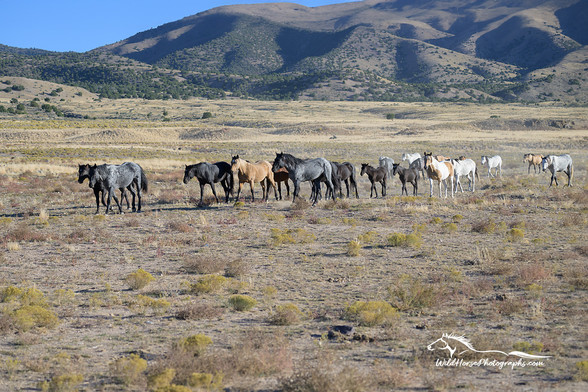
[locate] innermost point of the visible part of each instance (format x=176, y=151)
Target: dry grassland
x=245, y=296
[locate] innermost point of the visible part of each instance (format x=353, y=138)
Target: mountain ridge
x=374, y=49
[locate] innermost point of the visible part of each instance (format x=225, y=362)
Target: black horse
x=112, y=177
x=375, y=175
x=211, y=173
x=335, y=180
x=99, y=190
x=407, y=175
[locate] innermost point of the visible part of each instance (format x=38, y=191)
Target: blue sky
x=81, y=25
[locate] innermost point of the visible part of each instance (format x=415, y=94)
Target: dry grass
x=464, y=272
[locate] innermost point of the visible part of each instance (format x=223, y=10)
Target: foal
x=375, y=175
x=407, y=175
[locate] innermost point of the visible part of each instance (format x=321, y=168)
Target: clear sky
x=82, y=25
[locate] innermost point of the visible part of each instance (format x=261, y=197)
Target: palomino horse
x=301, y=170
x=493, y=162
x=112, y=177
x=252, y=173
x=465, y=167
x=534, y=160
x=440, y=172
x=407, y=175
x=558, y=163
x=375, y=175
x=211, y=173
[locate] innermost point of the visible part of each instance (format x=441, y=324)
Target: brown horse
x=252, y=173
x=282, y=176
x=534, y=160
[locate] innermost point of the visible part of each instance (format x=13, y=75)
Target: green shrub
x=33, y=316
x=209, y=284
x=206, y=381
x=515, y=235
x=241, y=302
x=128, y=370
x=195, y=344
x=450, y=227
x=371, y=313
x=206, y=115
x=353, y=248
x=410, y=293
x=162, y=379
x=63, y=383
x=139, y=279
x=286, y=314
x=397, y=239
x=581, y=371
x=484, y=226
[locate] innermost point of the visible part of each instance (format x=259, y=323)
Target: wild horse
x=211, y=173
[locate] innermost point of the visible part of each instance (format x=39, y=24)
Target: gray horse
x=115, y=177
x=558, y=163
x=301, y=170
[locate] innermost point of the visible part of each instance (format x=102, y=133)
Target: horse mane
x=462, y=339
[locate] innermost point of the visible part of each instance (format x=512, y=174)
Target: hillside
x=528, y=50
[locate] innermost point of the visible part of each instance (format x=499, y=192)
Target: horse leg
x=280, y=189
x=239, y=190
x=431, y=187
x=97, y=194
x=415, y=188
x=287, y=188
x=296, y=190
x=252, y=191
x=214, y=192
x=384, y=187
x=110, y=193
x=271, y=182
x=130, y=188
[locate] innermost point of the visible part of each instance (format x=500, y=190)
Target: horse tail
x=144, y=183
x=231, y=182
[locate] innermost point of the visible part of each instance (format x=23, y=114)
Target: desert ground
x=279, y=296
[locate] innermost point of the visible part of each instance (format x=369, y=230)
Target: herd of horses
x=106, y=179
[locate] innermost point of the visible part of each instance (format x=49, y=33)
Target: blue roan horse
x=301, y=170
x=112, y=177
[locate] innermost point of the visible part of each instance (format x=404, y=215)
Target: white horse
x=410, y=157
x=465, y=167
x=493, y=162
x=440, y=172
x=558, y=163
x=388, y=164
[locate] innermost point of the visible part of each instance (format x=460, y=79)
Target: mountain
x=480, y=50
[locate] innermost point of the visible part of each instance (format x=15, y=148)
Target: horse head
x=427, y=159
x=93, y=176
x=278, y=162
x=235, y=162
x=395, y=168
x=545, y=162
x=188, y=174
x=441, y=344
x=364, y=167
x=83, y=172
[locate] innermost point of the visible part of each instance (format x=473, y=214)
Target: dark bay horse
x=99, y=190
x=346, y=173
x=301, y=170
x=375, y=175
x=115, y=177
x=282, y=176
x=211, y=173
x=407, y=175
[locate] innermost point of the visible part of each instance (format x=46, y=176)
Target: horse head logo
x=451, y=343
